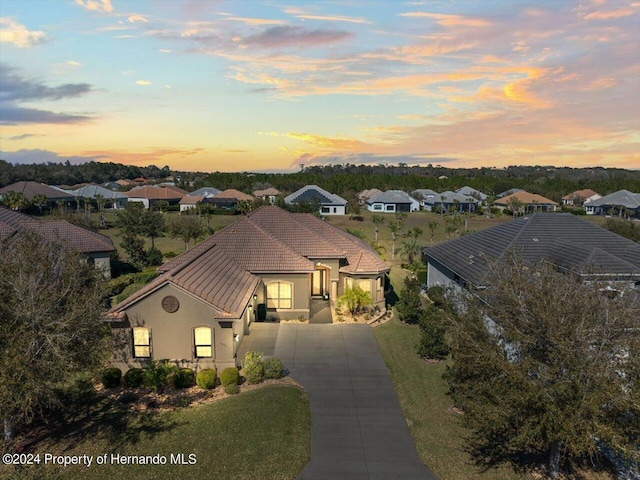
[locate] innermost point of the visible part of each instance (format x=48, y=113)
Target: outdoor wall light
x=236, y=337
x=250, y=307
x=255, y=296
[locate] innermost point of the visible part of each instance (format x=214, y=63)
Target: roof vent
x=535, y=239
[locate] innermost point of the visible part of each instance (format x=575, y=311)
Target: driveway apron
x=358, y=430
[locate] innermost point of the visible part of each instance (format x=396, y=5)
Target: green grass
x=264, y=433
x=436, y=429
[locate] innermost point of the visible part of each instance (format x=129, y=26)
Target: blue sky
x=262, y=85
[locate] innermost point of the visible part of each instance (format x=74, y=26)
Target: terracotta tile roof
x=234, y=194
x=77, y=238
x=157, y=193
x=583, y=194
x=361, y=257
x=268, y=192
x=214, y=278
x=283, y=225
x=526, y=198
x=30, y=189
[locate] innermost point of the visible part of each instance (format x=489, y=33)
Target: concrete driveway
x=358, y=430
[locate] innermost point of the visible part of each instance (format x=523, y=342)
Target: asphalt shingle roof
x=565, y=240
x=310, y=192
x=392, y=196
x=91, y=191
x=30, y=189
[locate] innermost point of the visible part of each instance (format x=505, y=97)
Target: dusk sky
x=269, y=85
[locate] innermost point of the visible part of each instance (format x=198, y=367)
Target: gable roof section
x=191, y=199
x=471, y=192
x=583, y=194
x=509, y=192
x=76, y=238
x=623, y=198
x=526, y=198
x=205, y=192
x=215, y=278
x=392, y=196
x=370, y=193
x=153, y=192
x=310, y=192
x=30, y=189
x=92, y=191
x=564, y=240
x=361, y=257
x=233, y=194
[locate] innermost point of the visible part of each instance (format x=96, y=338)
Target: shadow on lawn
x=86, y=414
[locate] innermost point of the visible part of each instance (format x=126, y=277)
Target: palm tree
x=377, y=221
x=40, y=200
x=433, y=225
x=410, y=249
x=394, y=228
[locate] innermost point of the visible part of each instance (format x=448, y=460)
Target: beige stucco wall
x=377, y=297
x=172, y=333
x=301, y=295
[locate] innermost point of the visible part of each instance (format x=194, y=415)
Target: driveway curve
x=358, y=430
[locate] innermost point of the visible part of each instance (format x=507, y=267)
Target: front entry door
x=318, y=283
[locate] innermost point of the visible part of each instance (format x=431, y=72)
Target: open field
x=263, y=433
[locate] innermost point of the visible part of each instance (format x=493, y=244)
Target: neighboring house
x=393, y=201
x=509, y=192
x=566, y=241
x=621, y=203
x=189, y=202
x=365, y=195
x=329, y=203
x=149, y=195
x=580, y=197
x=267, y=195
x=115, y=200
x=423, y=195
x=448, y=201
x=94, y=246
x=111, y=186
x=124, y=182
x=270, y=262
x=205, y=192
x=229, y=198
x=472, y=192
x=526, y=202
x=31, y=189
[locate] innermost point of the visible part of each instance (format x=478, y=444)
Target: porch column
x=334, y=291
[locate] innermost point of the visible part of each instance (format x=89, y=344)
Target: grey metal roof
x=205, y=192
x=623, y=198
x=565, y=240
x=310, y=192
x=471, y=192
x=392, y=196
x=425, y=193
x=91, y=191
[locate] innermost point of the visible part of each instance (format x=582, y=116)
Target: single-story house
x=268, y=195
x=189, y=202
x=205, y=192
x=393, y=201
x=270, y=263
x=151, y=194
x=424, y=194
x=564, y=240
x=365, y=195
x=472, y=192
x=580, y=197
x=228, y=198
x=94, y=246
x=329, y=203
x=115, y=200
x=30, y=189
x=621, y=203
x=447, y=201
x=526, y=202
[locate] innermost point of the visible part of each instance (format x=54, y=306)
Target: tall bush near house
x=432, y=334
x=273, y=368
x=229, y=379
x=253, y=367
x=409, y=308
x=158, y=374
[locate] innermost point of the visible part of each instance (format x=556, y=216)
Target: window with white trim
x=202, y=340
x=141, y=342
x=279, y=295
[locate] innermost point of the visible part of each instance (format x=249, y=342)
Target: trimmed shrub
x=154, y=257
x=229, y=376
x=206, y=378
x=231, y=389
x=111, y=377
x=253, y=367
x=134, y=377
x=273, y=368
x=184, y=378
x=158, y=374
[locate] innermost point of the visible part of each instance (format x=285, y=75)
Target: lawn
x=263, y=433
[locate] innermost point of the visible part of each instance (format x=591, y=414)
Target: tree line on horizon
x=551, y=182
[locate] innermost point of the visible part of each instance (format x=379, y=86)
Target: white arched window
x=202, y=337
